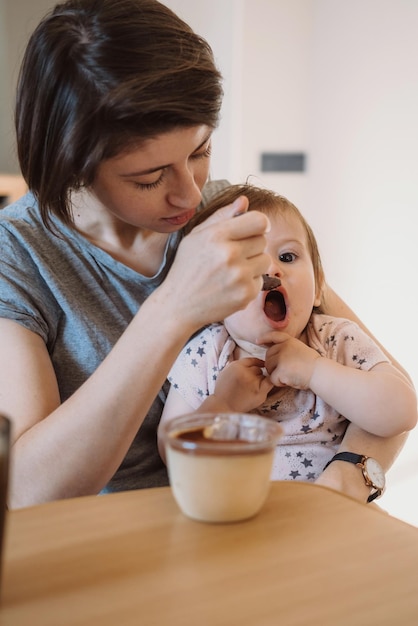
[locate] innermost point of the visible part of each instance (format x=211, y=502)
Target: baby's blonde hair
x=268, y=202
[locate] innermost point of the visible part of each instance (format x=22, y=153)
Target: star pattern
x=312, y=430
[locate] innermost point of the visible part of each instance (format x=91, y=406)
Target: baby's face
x=289, y=306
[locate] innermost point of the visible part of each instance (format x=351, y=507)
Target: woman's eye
x=287, y=257
x=149, y=186
x=203, y=155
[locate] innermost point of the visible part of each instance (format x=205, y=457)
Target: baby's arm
x=380, y=400
x=174, y=406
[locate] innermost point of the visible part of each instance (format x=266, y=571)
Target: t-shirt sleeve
x=23, y=296
x=345, y=342
x=196, y=369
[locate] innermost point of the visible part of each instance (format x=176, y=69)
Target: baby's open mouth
x=275, y=306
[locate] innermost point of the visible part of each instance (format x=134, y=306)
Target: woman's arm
x=74, y=448
x=346, y=477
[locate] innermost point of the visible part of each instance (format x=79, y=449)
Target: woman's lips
x=180, y=220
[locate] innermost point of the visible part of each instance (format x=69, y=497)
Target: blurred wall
x=17, y=20
x=335, y=80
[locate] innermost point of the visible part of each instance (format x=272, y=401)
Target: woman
x=99, y=289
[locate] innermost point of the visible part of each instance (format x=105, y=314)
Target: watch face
x=375, y=473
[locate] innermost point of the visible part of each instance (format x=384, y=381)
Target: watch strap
x=350, y=457
x=357, y=459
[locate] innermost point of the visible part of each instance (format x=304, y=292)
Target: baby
x=284, y=358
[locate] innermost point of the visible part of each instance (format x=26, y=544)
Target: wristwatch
x=373, y=473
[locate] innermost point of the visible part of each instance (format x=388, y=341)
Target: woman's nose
x=186, y=192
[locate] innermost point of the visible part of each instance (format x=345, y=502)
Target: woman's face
x=289, y=307
x=158, y=186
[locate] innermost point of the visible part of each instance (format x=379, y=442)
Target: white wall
x=219, y=22
x=339, y=81
x=364, y=176
x=336, y=80
x=5, y=110
x=17, y=20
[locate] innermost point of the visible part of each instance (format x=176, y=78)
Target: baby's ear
x=319, y=294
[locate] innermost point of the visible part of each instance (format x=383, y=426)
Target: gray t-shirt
x=79, y=300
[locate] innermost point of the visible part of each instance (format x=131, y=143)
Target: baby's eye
x=287, y=257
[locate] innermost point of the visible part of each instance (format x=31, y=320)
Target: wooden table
x=311, y=557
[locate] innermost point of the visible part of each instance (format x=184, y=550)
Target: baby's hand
x=289, y=361
x=242, y=385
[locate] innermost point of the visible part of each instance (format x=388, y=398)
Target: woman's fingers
x=238, y=207
x=247, y=224
x=219, y=265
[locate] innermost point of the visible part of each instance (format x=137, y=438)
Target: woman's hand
x=218, y=266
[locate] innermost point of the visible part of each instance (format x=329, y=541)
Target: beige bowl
x=219, y=465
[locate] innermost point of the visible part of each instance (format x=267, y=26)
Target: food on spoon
x=270, y=282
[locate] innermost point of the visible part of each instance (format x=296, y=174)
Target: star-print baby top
x=312, y=429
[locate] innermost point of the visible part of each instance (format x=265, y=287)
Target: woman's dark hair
x=98, y=78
